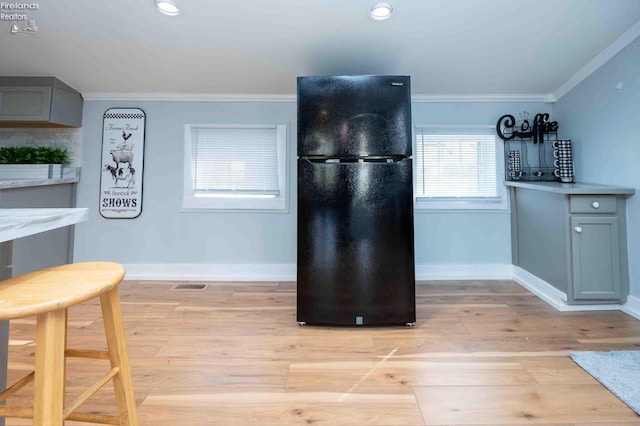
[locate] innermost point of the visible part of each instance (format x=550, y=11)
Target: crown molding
x=186, y=97
x=479, y=98
x=593, y=65
x=204, y=97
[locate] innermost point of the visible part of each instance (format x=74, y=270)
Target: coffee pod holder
x=563, y=163
x=529, y=151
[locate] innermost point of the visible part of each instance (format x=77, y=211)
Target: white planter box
x=30, y=171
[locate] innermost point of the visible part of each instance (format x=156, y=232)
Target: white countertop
x=22, y=183
x=70, y=175
x=572, y=188
x=17, y=223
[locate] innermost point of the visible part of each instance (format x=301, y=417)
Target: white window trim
x=422, y=204
x=257, y=203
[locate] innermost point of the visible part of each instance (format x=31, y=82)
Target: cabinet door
x=595, y=251
x=25, y=103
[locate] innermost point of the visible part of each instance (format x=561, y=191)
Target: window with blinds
x=235, y=166
x=457, y=168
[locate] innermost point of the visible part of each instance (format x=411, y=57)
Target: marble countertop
x=17, y=223
x=572, y=188
x=22, y=183
x=70, y=175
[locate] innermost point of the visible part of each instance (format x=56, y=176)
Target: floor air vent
x=191, y=287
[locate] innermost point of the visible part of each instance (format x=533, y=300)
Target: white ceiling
x=257, y=47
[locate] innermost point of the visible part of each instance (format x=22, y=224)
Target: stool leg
x=114, y=330
x=48, y=398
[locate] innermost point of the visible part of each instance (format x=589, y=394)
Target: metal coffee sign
x=508, y=128
x=122, y=163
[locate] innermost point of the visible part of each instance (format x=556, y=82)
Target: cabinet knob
x=578, y=229
x=595, y=204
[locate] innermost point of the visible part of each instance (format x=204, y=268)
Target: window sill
x=427, y=206
x=244, y=204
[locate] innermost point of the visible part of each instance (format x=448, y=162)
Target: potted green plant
x=36, y=162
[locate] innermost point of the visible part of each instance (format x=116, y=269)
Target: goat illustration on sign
x=122, y=154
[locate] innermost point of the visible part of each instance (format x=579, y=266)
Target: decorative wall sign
x=122, y=163
x=529, y=147
x=507, y=128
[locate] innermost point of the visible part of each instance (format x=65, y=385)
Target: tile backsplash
x=71, y=139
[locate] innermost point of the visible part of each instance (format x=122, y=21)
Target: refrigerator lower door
x=355, y=243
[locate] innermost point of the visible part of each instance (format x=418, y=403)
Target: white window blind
x=231, y=167
x=234, y=161
x=457, y=165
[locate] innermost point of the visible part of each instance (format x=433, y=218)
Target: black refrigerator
x=355, y=252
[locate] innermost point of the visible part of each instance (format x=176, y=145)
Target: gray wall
x=604, y=124
x=462, y=237
x=163, y=234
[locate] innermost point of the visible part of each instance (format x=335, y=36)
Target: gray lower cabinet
x=37, y=251
x=595, y=255
x=49, y=248
x=5, y=272
x=597, y=235
x=574, y=242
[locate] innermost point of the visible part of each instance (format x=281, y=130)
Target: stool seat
x=48, y=294
x=56, y=288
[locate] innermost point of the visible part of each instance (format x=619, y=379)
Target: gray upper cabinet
x=39, y=102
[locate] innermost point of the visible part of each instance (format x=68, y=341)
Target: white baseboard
x=287, y=272
x=465, y=271
x=540, y=288
x=211, y=272
x=632, y=307
x=552, y=295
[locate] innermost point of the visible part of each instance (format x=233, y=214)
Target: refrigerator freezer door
x=354, y=116
x=355, y=243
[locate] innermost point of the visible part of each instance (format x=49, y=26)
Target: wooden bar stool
x=47, y=294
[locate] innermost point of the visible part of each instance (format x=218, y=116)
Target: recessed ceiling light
x=381, y=11
x=168, y=7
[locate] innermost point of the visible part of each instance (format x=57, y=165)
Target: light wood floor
x=482, y=352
